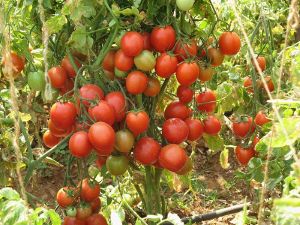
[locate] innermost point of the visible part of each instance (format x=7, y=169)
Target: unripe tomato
x=136, y=82
x=36, y=81
x=145, y=61
x=83, y=211
x=195, y=129
x=153, y=87
x=146, y=151
x=172, y=157
x=166, y=65
x=57, y=76
x=216, y=57
x=230, y=43
x=67, y=66
x=206, y=73
x=117, y=165
x=50, y=140
x=206, y=101
x=212, y=125
x=124, y=141
x=175, y=130
x=163, y=38
x=185, y=5
x=185, y=94
x=132, y=43
x=79, y=144
x=89, y=190
x=177, y=110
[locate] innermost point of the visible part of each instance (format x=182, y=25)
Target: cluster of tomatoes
x=82, y=203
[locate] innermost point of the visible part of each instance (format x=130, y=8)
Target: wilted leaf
x=80, y=40
x=224, y=159
x=214, y=143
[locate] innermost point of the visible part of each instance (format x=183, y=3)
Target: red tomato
x=146, y=151
x=136, y=82
x=261, y=62
x=186, y=50
x=163, y=38
x=175, y=130
x=243, y=128
x=109, y=61
x=185, y=94
x=122, y=61
x=89, y=190
x=57, y=76
x=137, y=122
x=147, y=41
x=187, y=73
x=90, y=92
x=117, y=101
x=244, y=154
x=73, y=221
x=212, y=125
x=206, y=73
x=102, y=112
x=206, y=101
x=101, y=160
x=269, y=83
x=255, y=141
x=96, y=205
x=230, y=43
x=177, y=110
x=63, y=115
x=216, y=57
x=166, y=65
x=172, y=157
x=248, y=84
x=79, y=144
x=132, y=43
x=153, y=87
x=195, y=129
x=66, y=196
x=83, y=211
x=17, y=62
x=68, y=87
x=50, y=140
x=67, y=66
x=261, y=118
x=102, y=137
x=96, y=219
x=57, y=131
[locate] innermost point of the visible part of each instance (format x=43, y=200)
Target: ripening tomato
x=50, y=140
x=66, y=196
x=216, y=57
x=206, y=101
x=122, y=61
x=57, y=131
x=67, y=66
x=185, y=50
x=90, y=92
x=79, y=144
x=73, y=221
x=84, y=210
x=177, y=110
x=175, y=130
x=230, y=43
x=17, y=63
x=96, y=205
x=147, y=41
x=63, y=115
x=270, y=83
x=244, y=154
x=172, y=157
x=244, y=127
x=146, y=151
x=261, y=119
x=211, y=125
x=102, y=137
x=109, y=61
x=89, y=190
x=187, y=73
x=137, y=122
x=36, y=81
x=132, y=43
x=136, y=82
x=153, y=87
x=185, y=94
x=109, y=74
x=124, y=141
x=195, y=129
x=185, y=5
x=117, y=100
x=166, y=65
x=248, y=84
x=206, y=73
x=67, y=88
x=163, y=38
x=117, y=164
x=102, y=112
x=261, y=62
x=96, y=219
x=57, y=76
x=145, y=61
x=188, y=166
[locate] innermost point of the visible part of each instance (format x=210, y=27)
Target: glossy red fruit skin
x=242, y=129
x=146, y=151
x=123, y=62
x=50, y=140
x=147, y=41
x=132, y=43
x=63, y=115
x=230, y=43
x=96, y=219
x=79, y=144
x=206, y=101
x=137, y=122
x=261, y=119
x=163, y=38
x=66, y=196
x=175, y=131
x=56, y=131
x=108, y=63
x=187, y=73
x=66, y=64
x=176, y=110
x=196, y=129
x=90, y=92
x=185, y=94
x=136, y=82
x=185, y=50
x=244, y=154
x=89, y=192
x=117, y=100
x=73, y=221
x=212, y=125
x=102, y=112
x=57, y=76
x=172, y=157
x=166, y=65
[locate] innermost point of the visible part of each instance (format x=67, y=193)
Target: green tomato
x=119, y=73
x=71, y=211
x=36, y=81
x=117, y=165
x=185, y=5
x=47, y=98
x=145, y=61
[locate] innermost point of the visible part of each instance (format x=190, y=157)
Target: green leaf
x=80, y=40
x=224, y=159
x=9, y=193
x=54, y=217
x=214, y=143
x=55, y=23
x=15, y=212
x=79, y=9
